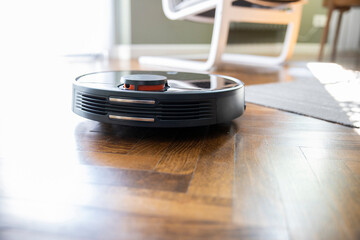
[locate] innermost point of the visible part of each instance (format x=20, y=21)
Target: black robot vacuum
x=158, y=99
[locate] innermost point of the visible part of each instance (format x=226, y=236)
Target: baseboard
x=137, y=50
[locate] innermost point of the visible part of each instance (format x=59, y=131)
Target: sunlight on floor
x=343, y=85
x=44, y=192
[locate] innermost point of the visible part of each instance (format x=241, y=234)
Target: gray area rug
x=333, y=95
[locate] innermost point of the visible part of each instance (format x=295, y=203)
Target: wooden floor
x=267, y=175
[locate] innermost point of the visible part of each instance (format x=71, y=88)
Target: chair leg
x=292, y=33
x=218, y=44
x=325, y=32
x=334, y=49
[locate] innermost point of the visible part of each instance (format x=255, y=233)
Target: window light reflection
x=45, y=192
x=343, y=85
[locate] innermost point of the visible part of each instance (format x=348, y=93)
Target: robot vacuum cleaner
x=158, y=99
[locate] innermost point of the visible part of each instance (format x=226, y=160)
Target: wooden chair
x=285, y=12
x=342, y=6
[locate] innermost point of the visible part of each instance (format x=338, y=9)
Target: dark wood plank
x=155, y=143
x=183, y=153
x=342, y=189
x=120, y=140
x=215, y=169
x=144, y=154
x=257, y=199
x=308, y=212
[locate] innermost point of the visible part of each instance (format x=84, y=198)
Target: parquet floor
x=266, y=175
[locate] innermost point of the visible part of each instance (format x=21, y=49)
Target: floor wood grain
x=267, y=175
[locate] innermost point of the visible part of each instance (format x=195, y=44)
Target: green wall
x=150, y=26
x=310, y=9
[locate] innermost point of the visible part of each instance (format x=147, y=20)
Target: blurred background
x=130, y=28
